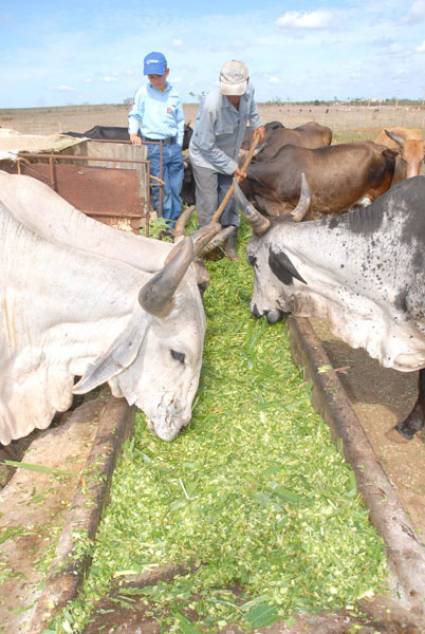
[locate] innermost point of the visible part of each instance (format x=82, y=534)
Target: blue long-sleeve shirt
x=157, y=114
x=219, y=130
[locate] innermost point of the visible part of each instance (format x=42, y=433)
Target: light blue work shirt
x=157, y=114
x=219, y=130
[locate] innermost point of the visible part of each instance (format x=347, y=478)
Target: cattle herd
x=82, y=304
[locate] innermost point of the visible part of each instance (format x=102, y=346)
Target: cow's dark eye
x=252, y=260
x=178, y=356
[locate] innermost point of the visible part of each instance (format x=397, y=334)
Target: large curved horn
x=260, y=224
x=156, y=296
x=396, y=138
x=304, y=201
x=217, y=240
x=182, y=221
x=202, y=237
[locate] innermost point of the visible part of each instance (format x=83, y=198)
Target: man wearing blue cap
x=157, y=114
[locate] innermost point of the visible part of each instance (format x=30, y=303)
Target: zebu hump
x=43, y=211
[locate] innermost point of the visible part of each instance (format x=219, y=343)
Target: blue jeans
x=172, y=175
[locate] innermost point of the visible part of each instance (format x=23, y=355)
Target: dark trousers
x=211, y=187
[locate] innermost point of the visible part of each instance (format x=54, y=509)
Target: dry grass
x=348, y=122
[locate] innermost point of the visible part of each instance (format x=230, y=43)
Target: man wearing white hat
x=216, y=141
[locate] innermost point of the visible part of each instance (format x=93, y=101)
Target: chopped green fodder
x=253, y=495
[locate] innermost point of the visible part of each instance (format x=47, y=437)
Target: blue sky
x=58, y=53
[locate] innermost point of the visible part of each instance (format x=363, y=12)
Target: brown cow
x=311, y=135
x=340, y=176
x=411, y=147
x=270, y=127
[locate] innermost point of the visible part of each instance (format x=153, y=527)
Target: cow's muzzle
x=272, y=316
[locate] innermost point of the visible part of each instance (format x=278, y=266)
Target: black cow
x=114, y=133
x=188, y=187
x=103, y=132
x=187, y=135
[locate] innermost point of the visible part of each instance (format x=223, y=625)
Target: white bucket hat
x=233, y=78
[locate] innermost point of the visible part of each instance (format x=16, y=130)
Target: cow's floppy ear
x=119, y=356
x=283, y=268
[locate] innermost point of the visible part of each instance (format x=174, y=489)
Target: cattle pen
x=107, y=179
x=191, y=583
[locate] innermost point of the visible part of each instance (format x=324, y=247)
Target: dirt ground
x=34, y=505
x=113, y=617
x=362, y=121
x=381, y=398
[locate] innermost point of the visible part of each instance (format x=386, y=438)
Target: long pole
x=216, y=215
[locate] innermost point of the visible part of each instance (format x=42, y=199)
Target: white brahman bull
x=78, y=298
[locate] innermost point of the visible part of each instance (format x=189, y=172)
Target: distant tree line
x=357, y=101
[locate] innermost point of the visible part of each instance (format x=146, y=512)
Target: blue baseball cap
x=154, y=64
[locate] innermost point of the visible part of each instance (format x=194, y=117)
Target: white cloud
x=368, y=36
x=65, y=88
x=416, y=11
x=176, y=80
x=305, y=20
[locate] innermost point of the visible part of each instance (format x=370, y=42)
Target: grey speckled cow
x=363, y=271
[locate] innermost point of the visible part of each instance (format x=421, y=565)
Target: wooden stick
x=216, y=215
x=157, y=179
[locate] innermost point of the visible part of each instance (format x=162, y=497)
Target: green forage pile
x=254, y=497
